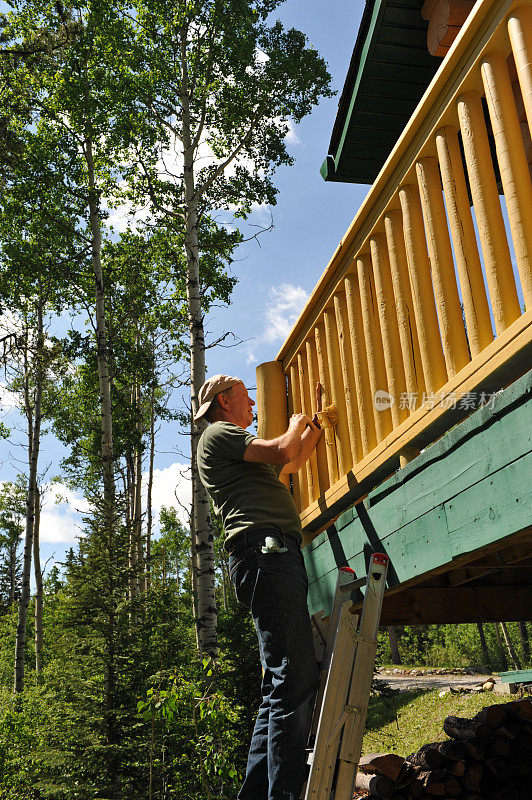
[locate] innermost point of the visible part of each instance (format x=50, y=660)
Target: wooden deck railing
x=413, y=324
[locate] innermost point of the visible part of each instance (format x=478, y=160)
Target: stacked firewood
x=488, y=757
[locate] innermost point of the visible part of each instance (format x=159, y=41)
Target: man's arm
x=309, y=440
x=290, y=450
x=283, y=449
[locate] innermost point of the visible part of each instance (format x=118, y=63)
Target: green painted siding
x=470, y=489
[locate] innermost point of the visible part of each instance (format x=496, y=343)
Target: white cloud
x=251, y=357
x=292, y=137
x=8, y=400
x=61, y=515
x=171, y=487
x=286, y=303
x=59, y=527
x=63, y=509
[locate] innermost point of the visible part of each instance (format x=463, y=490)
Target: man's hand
x=298, y=422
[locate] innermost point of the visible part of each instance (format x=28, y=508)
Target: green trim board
x=516, y=676
x=468, y=491
x=389, y=71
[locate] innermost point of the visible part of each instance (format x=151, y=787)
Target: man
x=263, y=536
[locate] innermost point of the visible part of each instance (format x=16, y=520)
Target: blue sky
x=275, y=275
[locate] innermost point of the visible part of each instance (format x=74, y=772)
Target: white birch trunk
x=101, y=342
x=39, y=594
x=34, y=434
x=140, y=582
x=149, y=511
x=107, y=456
x=202, y=537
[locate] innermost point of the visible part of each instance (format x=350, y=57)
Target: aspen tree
x=222, y=83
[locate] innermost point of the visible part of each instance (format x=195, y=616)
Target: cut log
x=453, y=786
x=514, y=732
x=414, y=791
x=451, y=749
x=472, y=776
x=498, y=748
x=457, y=768
x=377, y=785
x=445, y=17
x=436, y=789
x=521, y=708
x=494, y=716
x=427, y=757
x=388, y=764
x=465, y=729
x=425, y=777
x=407, y=774
x=474, y=750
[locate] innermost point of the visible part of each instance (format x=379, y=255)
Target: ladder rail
x=344, y=702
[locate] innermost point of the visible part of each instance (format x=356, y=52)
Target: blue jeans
x=274, y=587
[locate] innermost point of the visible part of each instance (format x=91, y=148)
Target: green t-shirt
x=246, y=494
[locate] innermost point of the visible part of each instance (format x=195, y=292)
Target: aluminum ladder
x=342, y=701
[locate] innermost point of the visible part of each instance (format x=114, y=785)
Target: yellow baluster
x=391, y=344
x=348, y=373
x=372, y=336
x=497, y=261
x=430, y=347
x=368, y=435
x=406, y=319
x=343, y=444
x=476, y=308
x=520, y=31
x=321, y=455
x=515, y=175
x=452, y=328
x=306, y=406
x=323, y=369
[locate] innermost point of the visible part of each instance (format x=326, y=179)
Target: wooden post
x=374, y=351
x=415, y=381
x=407, y=455
x=321, y=455
x=311, y=466
x=348, y=372
x=272, y=403
x=445, y=17
x=323, y=369
x=476, y=309
x=513, y=163
x=391, y=343
x=452, y=330
x=338, y=390
x=497, y=261
x=420, y=281
x=368, y=435
x=297, y=477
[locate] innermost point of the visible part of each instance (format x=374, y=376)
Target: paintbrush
x=327, y=417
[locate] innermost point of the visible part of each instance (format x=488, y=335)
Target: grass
x=402, y=723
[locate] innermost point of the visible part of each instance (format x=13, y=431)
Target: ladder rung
x=356, y=584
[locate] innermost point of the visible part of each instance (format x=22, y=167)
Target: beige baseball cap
x=209, y=390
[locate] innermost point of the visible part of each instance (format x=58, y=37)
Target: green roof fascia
x=368, y=24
